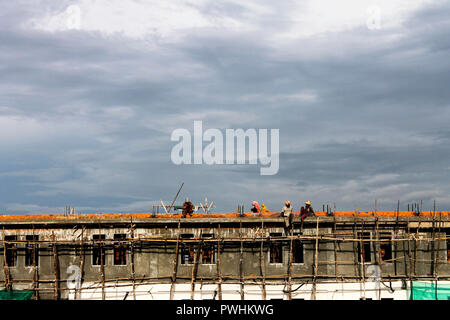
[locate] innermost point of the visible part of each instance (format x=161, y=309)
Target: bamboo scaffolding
x=438, y=247
x=355, y=252
x=252, y=279
x=316, y=257
x=263, y=263
x=410, y=257
x=195, y=268
x=175, y=263
x=5, y=265
x=133, y=272
x=35, y=270
x=241, y=261
x=219, y=270
x=363, y=265
x=335, y=244
x=102, y=265
x=289, y=284
x=81, y=265
x=404, y=239
x=433, y=236
x=56, y=294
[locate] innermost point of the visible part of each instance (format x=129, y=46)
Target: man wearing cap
x=286, y=212
x=308, y=209
x=287, y=209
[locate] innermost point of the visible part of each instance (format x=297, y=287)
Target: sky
x=91, y=90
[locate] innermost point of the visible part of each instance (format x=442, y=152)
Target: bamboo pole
x=410, y=256
x=175, y=262
x=102, y=264
x=355, y=252
x=316, y=256
x=263, y=263
x=56, y=294
x=438, y=246
x=335, y=244
x=35, y=270
x=290, y=269
x=241, y=261
x=133, y=272
x=363, y=261
x=195, y=268
x=81, y=265
x=8, y=284
x=219, y=270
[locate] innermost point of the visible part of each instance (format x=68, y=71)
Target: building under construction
x=239, y=255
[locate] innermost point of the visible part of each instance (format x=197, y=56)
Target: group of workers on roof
x=305, y=211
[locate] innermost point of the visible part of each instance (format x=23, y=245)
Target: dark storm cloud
x=87, y=118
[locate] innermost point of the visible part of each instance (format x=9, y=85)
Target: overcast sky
x=87, y=106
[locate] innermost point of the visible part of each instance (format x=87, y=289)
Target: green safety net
x=429, y=291
x=15, y=295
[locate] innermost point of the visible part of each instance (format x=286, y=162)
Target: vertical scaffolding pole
x=241, y=261
x=416, y=248
x=78, y=290
x=219, y=266
x=35, y=271
x=102, y=263
x=175, y=263
x=290, y=268
x=395, y=235
x=363, y=265
x=5, y=265
x=316, y=262
x=438, y=245
x=433, y=239
x=133, y=273
x=335, y=243
x=263, y=262
x=355, y=251
x=410, y=255
x=195, y=268
x=56, y=294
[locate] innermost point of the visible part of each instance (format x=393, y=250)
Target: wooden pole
x=102, y=263
x=290, y=268
x=35, y=271
x=335, y=244
x=5, y=265
x=362, y=265
x=133, y=272
x=263, y=263
x=195, y=268
x=316, y=257
x=171, y=205
x=410, y=256
x=219, y=270
x=78, y=290
x=175, y=263
x=56, y=294
x=241, y=261
x=438, y=245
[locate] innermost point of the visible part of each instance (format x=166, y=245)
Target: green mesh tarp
x=429, y=291
x=15, y=295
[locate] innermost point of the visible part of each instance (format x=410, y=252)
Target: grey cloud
x=107, y=105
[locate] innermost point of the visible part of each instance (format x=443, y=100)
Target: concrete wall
x=154, y=259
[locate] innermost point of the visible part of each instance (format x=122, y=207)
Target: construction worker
x=308, y=209
x=255, y=208
x=286, y=212
x=188, y=208
x=287, y=209
x=264, y=208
